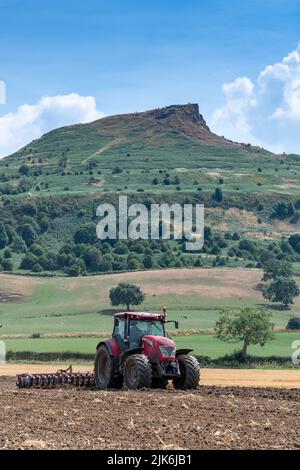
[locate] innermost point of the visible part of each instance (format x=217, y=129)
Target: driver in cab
x=135, y=334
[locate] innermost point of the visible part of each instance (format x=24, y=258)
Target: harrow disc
x=59, y=378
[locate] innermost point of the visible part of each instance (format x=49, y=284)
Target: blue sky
x=135, y=55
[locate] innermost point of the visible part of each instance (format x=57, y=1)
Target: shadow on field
x=276, y=307
x=108, y=311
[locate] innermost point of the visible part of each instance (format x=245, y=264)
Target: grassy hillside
x=55, y=184
x=127, y=152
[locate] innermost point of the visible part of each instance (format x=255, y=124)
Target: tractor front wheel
x=104, y=371
x=189, y=373
x=137, y=372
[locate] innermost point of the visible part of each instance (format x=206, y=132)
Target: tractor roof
x=141, y=315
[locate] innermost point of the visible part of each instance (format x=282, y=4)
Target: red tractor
x=140, y=354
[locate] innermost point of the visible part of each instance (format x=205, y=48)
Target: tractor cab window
x=119, y=329
x=140, y=328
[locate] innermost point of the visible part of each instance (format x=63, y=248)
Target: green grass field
x=81, y=305
x=204, y=345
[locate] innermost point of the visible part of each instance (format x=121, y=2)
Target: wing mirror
x=176, y=323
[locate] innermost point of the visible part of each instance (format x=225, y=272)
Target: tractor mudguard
x=107, y=345
x=112, y=347
x=131, y=351
x=183, y=351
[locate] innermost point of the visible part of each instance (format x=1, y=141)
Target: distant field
x=204, y=345
x=80, y=305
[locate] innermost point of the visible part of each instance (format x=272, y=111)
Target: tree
x=293, y=323
x=281, y=210
x=28, y=234
x=121, y=248
x=3, y=236
x=235, y=236
x=7, y=265
x=24, y=169
x=76, y=267
x=7, y=253
x=126, y=294
x=92, y=258
x=248, y=326
x=29, y=261
x=37, y=249
x=106, y=265
x=18, y=245
x=10, y=232
x=86, y=234
x=117, y=170
x=274, y=269
x=48, y=262
x=218, y=196
x=133, y=264
x=148, y=261
x=28, y=208
x=44, y=223
x=37, y=268
x=282, y=289
x=207, y=233
x=294, y=241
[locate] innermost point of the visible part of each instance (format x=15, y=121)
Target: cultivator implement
x=59, y=378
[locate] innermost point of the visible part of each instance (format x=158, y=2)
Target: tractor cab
x=131, y=327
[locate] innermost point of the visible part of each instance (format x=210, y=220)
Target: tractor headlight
x=167, y=351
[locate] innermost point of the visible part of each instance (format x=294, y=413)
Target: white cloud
x=31, y=121
x=232, y=117
x=265, y=111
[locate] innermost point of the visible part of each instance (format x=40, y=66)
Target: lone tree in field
x=248, y=326
x=126, y=294
x=275, y=268
x=283, y=290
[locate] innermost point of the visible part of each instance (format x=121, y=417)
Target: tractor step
x=61, y=377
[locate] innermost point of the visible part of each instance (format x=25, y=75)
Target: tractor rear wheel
x=104, y=371
x=189, y=373
x=137, y=372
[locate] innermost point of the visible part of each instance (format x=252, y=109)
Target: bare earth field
x=219, y=377
x=208, y=418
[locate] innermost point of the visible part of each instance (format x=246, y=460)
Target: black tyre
x=104, y=371
x=137, y=372
x=189, y=373
x=159, y=382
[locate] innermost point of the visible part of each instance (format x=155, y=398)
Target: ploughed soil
x=288, y=378
x=211, y=417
